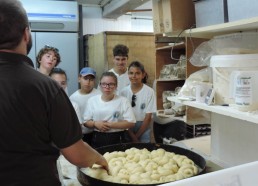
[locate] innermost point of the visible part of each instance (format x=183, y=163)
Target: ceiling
x=116, y=8
x=100, y=3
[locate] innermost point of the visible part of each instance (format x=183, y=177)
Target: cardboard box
x=158, y=26
x=210, y=12
x=178, y=15
x=172, y=15
x=239, y=9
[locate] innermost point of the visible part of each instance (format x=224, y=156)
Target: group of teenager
x=117, y=108
x=39, y=121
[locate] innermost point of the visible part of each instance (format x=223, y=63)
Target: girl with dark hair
x=143, y=101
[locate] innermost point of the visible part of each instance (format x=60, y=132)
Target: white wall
x=93, y=22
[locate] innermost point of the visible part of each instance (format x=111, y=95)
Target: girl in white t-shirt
x=143, y=101
x=110, y=115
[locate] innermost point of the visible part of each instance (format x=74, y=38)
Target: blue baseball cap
x=87, y=71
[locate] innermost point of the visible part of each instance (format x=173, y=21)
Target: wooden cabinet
x=169, y=53
x=163, y=58
x=171, y=18
x=141, y=48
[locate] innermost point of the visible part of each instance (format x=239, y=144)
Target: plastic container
x=222, y=67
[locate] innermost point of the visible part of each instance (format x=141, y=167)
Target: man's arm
x=82, y=155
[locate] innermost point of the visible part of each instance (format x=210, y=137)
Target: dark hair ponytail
x=138, y=64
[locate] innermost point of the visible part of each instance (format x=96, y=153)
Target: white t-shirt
x=117, y=109
x=81, y=100
x=77, y=110
x=122, y=80
x=145, y=101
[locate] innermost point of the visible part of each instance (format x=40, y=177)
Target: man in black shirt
x=37, y=120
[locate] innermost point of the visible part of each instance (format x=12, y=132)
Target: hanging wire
x=176, y=42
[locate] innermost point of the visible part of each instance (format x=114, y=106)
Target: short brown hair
x=45, y=50
x=57, y=71
x=120, y=50
x=109, y=74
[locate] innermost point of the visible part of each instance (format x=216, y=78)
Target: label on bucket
x=243, y=90
x=223, y=66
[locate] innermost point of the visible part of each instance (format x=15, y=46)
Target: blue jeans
x=145, y=137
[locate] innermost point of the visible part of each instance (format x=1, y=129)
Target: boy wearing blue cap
x=87, y=83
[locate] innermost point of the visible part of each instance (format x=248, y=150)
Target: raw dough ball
x=141, y=166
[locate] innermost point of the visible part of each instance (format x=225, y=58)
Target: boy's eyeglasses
x=51, y=48
x=133, y=100
x=107, y=85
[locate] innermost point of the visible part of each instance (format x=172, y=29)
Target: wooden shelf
x=160, y=113
x=175, y=46
x=223, y=110
x=162, y=86
x=177, y=79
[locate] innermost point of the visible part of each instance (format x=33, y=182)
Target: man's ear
x=27, y=34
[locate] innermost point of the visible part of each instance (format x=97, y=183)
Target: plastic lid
x=239, y=60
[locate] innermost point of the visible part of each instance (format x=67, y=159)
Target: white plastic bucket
x=223, y=66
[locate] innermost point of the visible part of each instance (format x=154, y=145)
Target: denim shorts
x=145, y=137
